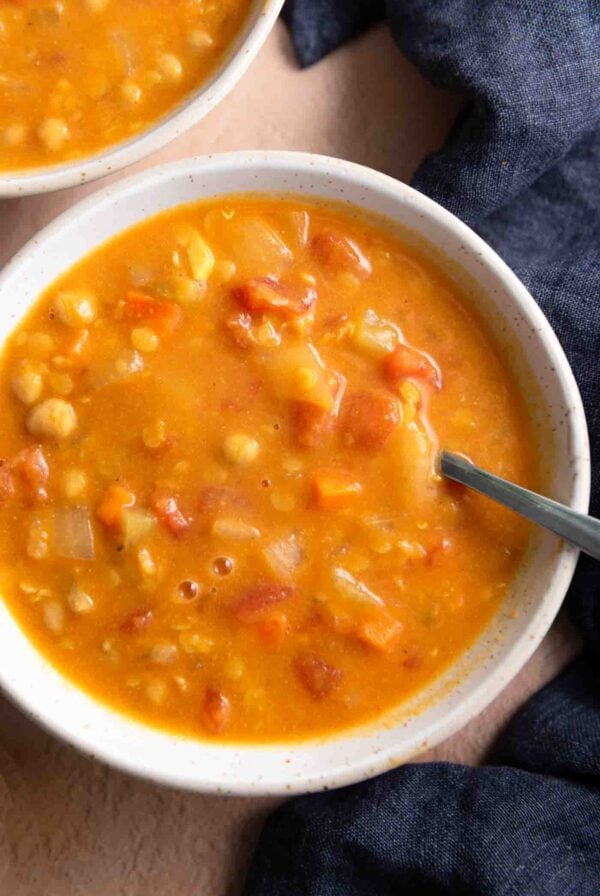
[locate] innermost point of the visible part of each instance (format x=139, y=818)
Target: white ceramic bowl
x=510, y=639
x=181, y=118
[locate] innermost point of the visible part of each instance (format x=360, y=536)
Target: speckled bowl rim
x=243, y=781
x=168, y=127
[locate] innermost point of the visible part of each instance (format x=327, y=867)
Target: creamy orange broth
x=79, y=75
x=219, y=511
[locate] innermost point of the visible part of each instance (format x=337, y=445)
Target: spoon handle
x=579, y=529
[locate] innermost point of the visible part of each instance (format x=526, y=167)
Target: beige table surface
x=68, y=825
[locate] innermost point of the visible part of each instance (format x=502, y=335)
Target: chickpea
x=27, y=383
x=80, y=602
x=232, y=529
x=74, y=483
x=199, y=39
x=53, y=418
x=240, y=449
x=75, y=309
x=131, y=91
x=54, y=133
x=170, y=66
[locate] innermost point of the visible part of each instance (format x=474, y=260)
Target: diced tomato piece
x=266, y=294
x=216, y=710
x=167, y=510
x=317, y=676
x=163, y=316
x=31, y=466
x=256, y=601
x=272, y=631
x=338, y=251
x=7, y=482
x=335, y=489
x=114, y=501
x=380, y=632
x=137, y=622
x=311, y=423
x=406, y=362
x=28, y=467
x=369, y=418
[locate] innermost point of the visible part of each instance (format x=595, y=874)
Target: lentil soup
x=79, y=75
x=219, y=510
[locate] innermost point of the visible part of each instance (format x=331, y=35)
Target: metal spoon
x=577, y=528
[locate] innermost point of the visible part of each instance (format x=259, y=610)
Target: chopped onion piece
x=351, y=588
x=125, y=49
x=137, y=524
x=284, y=556
x=73, y=535
x=127, y=363
x=254, y=246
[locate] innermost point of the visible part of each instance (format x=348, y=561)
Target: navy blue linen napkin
x=522, y=167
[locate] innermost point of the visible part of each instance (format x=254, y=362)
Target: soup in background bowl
x=221, y=513
x=90, y=86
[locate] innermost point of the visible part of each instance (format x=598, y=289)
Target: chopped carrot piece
x=137, y=621
x=380, y=632
x=255, y=601
x=264, y=294
x=369, y=418
x=272, y=631
x=340, y=252
x=405, y=362
x=216, y=710
x=164, y=317
x=316, y=675
x=114, y=501
x=335, y=489
x=167, y=510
